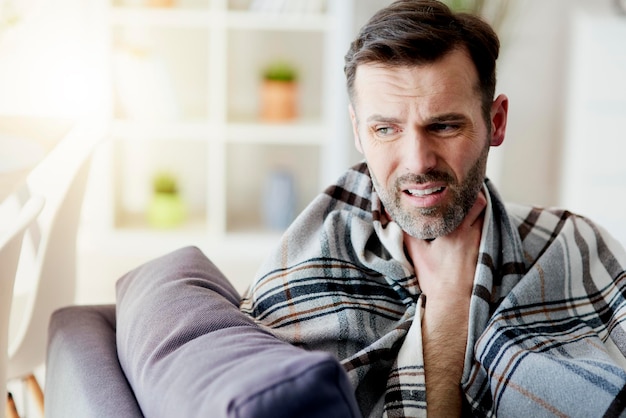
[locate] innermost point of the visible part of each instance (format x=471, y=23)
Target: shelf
x=153, y=242
x=194, y=232
x=146, y=131
x=296, y=133
x=179, y=17
x=293, y=22
x=137, y=222
x=172, y=17
x=293, y=133
x=189, y=18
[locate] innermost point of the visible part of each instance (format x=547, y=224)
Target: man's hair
x=417, y=32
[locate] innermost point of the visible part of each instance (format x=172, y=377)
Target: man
x=436, y=296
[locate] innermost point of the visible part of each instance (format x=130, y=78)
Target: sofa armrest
x=188, y=350
x=83, y=374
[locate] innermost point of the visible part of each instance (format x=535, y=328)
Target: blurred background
x=228, y=116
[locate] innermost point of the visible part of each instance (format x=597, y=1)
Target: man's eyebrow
x=381, y=118
x=447, y=117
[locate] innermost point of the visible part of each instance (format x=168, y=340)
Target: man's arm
x=445, y=269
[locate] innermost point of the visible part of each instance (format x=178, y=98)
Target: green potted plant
x=279, y=90
x=166, y=209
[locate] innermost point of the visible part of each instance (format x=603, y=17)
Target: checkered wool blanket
x=547, y=334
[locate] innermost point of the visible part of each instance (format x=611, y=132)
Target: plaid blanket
x=547, y=334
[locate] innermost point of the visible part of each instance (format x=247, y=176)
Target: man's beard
x=433, y=222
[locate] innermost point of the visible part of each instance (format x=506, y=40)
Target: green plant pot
x=166, y=210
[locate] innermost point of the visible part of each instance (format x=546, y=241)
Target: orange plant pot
x=278, y=100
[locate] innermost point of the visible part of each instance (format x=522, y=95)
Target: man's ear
x=499, y=112
x=355, y=129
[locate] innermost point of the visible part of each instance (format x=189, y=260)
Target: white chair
x=10, y=247
x=48, y=263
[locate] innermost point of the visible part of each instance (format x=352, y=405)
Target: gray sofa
x=176, y=344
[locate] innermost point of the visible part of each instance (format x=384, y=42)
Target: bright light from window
x=51, y=56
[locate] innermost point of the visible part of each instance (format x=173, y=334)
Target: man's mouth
x=424, y=192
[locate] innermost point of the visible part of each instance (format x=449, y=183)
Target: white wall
x=594, y=175
x=533, y=72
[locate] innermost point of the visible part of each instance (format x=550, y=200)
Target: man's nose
x=420, y=156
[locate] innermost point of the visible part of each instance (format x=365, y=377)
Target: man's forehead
x=388, y=86
x=456, y=63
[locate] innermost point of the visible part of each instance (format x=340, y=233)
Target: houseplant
x=166, y=209
x=279, y=91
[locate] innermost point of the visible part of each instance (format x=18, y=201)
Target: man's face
x=423, y=134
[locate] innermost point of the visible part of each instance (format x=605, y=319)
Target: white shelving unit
x=185, y=82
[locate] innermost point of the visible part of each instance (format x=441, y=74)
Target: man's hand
x=447, y=264
x=445, y=270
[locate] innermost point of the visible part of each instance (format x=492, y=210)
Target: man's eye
x=383, y=131
x=444, y=127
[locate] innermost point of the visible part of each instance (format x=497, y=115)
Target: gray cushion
x=83, y=375
x=188, y=351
